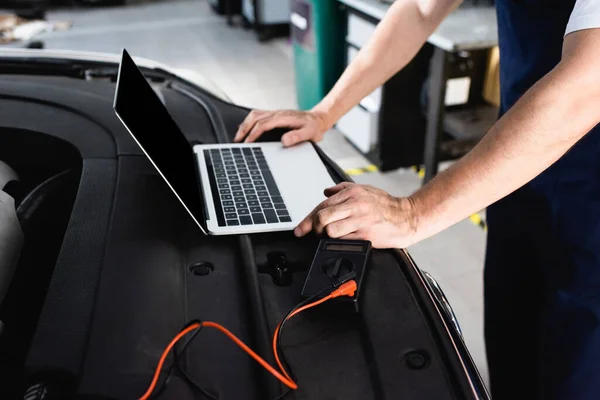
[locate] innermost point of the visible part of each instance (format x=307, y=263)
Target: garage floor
x=189, y=35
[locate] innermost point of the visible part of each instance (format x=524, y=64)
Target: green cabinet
x=318, y=32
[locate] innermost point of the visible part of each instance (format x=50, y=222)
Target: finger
x=306, y=225
x=248, y=123
x=342, y=227
x=326, y=216
x=294, y=137
x=337, y=188
x=271, y=122
x=353, y=236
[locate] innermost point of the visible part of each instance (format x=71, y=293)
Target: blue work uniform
x=542, y=272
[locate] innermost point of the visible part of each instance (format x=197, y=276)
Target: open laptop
x=226, y=188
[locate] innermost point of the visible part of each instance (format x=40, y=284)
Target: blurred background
x=274, y=54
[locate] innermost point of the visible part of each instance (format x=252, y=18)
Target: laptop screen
x=151, y=125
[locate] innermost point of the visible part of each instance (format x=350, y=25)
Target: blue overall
x=542, y=272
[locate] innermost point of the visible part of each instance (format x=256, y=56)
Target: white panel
x=360, y=127
x=274, y=11
x=359, y=30
x=299, y=21
x=248, y=10
x=373, y=101
x=457, y=91
x=352, y=53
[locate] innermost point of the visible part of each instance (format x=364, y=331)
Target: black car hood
x=123, y=283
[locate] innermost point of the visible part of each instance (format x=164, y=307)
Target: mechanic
x=538, y=170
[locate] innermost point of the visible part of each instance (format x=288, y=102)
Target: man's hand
x=304, y=125
x=362, y=212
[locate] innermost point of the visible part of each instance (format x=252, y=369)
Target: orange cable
x=258, y=358
x=346, y=289
x=276, y=333
x=164, y=357
x=231, y=336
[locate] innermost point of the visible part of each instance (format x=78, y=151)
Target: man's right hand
x=303, y=125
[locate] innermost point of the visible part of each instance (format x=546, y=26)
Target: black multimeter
x=334, y=260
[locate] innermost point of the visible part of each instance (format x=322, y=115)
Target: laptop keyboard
x=247, y=193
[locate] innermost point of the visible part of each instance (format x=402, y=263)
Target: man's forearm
x=396, y=41
x=546, y=122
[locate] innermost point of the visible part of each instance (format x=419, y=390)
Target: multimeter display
x=344, y=247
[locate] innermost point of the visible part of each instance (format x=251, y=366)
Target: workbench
x=467, y=29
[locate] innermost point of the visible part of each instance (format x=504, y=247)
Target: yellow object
x=360, y=171
x=477, y=220
x=419, y=170
x=491, y=86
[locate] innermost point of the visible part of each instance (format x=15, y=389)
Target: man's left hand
x=362, y=212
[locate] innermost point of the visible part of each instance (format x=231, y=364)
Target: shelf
x=464, y=128
x=470, y=123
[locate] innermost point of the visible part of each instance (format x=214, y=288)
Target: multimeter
x=334, y=260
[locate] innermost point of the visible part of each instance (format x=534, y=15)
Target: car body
x=110, y=261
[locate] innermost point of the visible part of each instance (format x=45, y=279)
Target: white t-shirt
x=585, y=15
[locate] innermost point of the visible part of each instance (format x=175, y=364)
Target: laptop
x=226, y=188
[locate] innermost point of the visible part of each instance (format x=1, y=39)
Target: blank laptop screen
x=149, y=122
